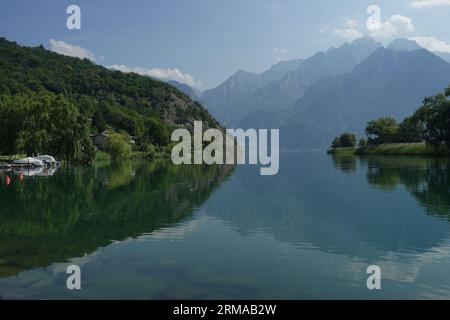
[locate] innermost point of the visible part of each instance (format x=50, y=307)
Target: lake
x=156, y=231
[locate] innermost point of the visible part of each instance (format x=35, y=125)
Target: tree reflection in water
x=76, y=211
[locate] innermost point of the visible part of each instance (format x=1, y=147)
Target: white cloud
x=281, y=54
x=349, y=31
x=281, y=51
x=163, y=74
x=432, y=44
x=418, y=4
x=396, y=25
x=70, y=50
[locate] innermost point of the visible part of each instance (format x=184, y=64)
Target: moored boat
x=5, y=165
x=47, y=160
x=28, y=162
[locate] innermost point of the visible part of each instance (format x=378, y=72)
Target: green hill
x=50, y=103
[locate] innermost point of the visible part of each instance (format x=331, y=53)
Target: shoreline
x=400, y=149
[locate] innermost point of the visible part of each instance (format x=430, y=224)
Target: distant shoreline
x=403, y=149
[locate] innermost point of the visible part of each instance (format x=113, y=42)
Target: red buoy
x=8, y=180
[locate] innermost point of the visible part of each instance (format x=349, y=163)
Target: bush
x=411, y=130
x=118, y=146
x=150, y=152
x=102, y=156
x=362, y=142
x=435, y=114
x=382, y=130
x=98, y=121
x=345, y=140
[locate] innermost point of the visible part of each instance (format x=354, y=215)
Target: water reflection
x=311, y=204
x=308, y=232
x=426, y=179
x=81, y=209
x=346, y=163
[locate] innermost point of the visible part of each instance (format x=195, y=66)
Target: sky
x=203, y=42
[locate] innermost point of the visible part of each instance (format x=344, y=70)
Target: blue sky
x=202, y=42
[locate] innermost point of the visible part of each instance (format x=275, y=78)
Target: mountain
x=44, y=80
x=282, y=94
x=278, y=71
x=231, y=103
x=387, y=83
x=403, y=45
x=443, y=55
x=193, y=93
x=336, y=61
x=411, y=45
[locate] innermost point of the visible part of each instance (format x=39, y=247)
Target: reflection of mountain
x=312, y=204
x=78, y=210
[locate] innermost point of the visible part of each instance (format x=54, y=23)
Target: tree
x=411, y=130
x=336, y=143
x=45, y=124
x=118, y=145
x=11, y=121
x=158, y=132
x=98, y=121
x=345, y=140
x=435, y=113
x=382, y=130
x=362, y=142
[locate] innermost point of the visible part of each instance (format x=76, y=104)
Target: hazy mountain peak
x=365, y=41
x=243, y=73
x=403, y=45
x=286, y=62
x=241, y=77
x=193, y=93
x=363, y=47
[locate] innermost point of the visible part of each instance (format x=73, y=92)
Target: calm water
x=155, y=231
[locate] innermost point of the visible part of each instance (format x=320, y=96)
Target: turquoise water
x=155, y=231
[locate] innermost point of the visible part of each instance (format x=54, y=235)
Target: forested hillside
x=50, y=103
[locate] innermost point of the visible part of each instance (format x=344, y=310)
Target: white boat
x=28, y=162
x=5, y=165
x=47, y=159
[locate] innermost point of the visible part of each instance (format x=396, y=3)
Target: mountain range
x=280, y=86
x=338, y=90
x=388, y=83
x=234, y=98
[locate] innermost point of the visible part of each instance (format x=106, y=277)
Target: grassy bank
x=404, y=149
x=158, y=154
x=136, y=155
x=342, y=151
x=8, y=158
